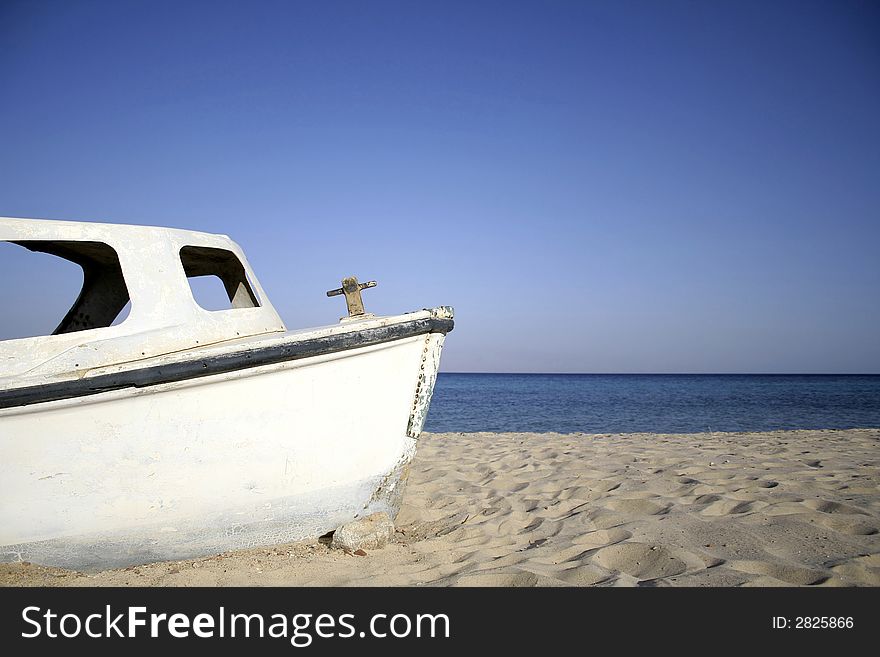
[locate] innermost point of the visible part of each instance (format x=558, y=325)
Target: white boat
x=180, y=431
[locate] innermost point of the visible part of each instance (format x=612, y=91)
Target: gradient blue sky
x=595, y=186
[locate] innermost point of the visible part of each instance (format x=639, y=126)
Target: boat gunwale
x=222, y=363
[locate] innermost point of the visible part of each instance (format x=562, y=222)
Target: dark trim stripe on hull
x=198, y=368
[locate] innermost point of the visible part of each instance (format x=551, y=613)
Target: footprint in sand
x=579, y=494
x=509, y=484
x=601, y=538
x=787, y=508
x=549, y=528
x=824, y=506
x=848, y=525
x=783, y=572
x=637, y=506
x=600, y=485
x=497, y=579
x=706, y=499
x=706, y=489
x=584, y=575
x=725, y=507
x=640, y=560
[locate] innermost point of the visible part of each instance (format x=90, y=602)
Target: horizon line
x=681, y=373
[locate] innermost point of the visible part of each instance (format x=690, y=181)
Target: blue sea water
x=662, y=403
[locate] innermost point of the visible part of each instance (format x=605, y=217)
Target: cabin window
x=40, y=288
x=123, y=314
x=217, y=278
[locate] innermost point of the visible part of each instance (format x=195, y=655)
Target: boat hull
x=243, y=458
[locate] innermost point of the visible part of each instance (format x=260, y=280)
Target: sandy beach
x=780, y=508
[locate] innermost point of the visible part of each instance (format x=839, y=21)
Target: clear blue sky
x=595, y=186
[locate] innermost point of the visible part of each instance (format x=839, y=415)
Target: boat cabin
x=147, y=271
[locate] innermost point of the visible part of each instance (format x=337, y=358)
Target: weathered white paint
x=164, y=316
x=252, y=457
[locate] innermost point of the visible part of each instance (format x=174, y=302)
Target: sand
x=780, y=508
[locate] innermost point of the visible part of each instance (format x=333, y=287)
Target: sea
x=658, y=403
